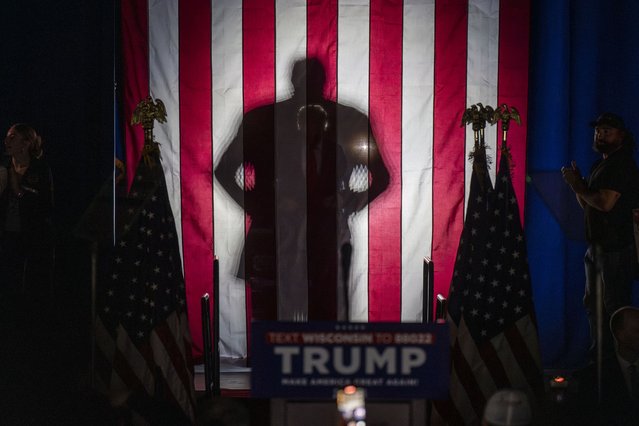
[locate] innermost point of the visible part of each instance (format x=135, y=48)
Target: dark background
x=56, y=74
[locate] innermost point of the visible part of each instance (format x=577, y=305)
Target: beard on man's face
x=603, y=147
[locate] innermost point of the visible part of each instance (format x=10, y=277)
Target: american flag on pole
x=144, y=357
x=410, y=66
x=494, y=342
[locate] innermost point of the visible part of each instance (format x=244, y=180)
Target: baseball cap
x=609, y=119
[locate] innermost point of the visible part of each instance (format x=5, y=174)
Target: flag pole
x=94, y=244
x=115, y=114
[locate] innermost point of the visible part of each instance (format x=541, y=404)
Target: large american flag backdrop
x=412, y=66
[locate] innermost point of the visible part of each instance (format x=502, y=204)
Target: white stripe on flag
x=482, y=72
x=164, y=85
x=171, y=368
x=477, y=366
x=136, y=362
x=228, y=217
x=352, y=90
x=528, y=330
x=462, y=402
x=417, y=150
x=508, y=359
x=290, y=43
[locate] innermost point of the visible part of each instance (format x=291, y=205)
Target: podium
x=299, y=366
x=312, y=413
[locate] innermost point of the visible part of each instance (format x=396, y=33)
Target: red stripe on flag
x=171, y=339
x=525, y=359
x=385, y=106
x=467, y=379
x=449, y=159
x=321, y=40
x=258, y=52
x=196, y=157
x=446, y=410
x=490, y=357
x=258, y=81
x=321, y=43
x=135, y=64
x=126, y=371
x=514, y=32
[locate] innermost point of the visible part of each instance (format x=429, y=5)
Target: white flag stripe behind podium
x=417, y=153
x=412, y=66
x=352, y=90
x=227, y=96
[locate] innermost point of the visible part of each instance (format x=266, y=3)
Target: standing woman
x=26, y=215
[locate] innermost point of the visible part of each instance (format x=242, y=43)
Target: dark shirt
x=35, y=208
x=615, y=407
x=27, y=243
x=613, y=230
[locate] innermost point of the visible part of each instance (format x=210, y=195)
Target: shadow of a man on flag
x=300, y=168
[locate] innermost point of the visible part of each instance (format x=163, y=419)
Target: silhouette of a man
x=300, y=168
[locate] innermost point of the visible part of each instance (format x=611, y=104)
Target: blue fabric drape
x=584, y=60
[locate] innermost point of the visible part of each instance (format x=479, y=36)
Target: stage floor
x=235, y=377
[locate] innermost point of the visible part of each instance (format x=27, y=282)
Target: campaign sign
x=312, y=360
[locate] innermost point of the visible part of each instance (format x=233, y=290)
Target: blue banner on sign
x=312, y=360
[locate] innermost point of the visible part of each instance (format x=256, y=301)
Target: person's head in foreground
x=624, y=324
x=507, y=407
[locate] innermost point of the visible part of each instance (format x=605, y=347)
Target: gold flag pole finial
x=505, y=114
x=478, y=115
x=473, y=115
x=145, y=113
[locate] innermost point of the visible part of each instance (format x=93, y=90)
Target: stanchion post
x=94, y=286
x=600, y=333
x=216, y=327
x=427, y=316
x=442, y=308
x=428, y=291
x=206, y=338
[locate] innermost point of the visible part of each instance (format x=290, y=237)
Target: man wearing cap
x=607, y=196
